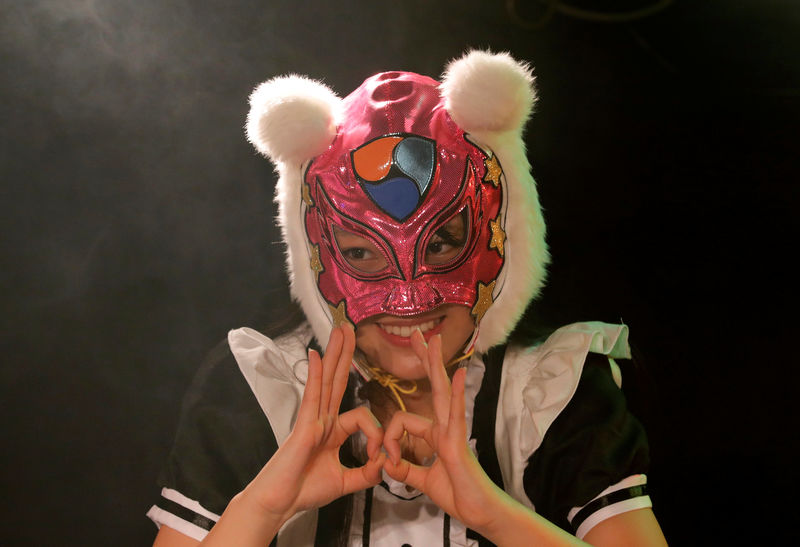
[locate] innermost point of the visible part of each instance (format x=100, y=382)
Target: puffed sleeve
x=223, y=440
x=592, y=459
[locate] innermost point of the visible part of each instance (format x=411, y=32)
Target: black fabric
x=483, y=423
x=223, y=438
x=485, y=413
x=334, y=519
x=333, y=522
x=367, y=524
x=594, y=443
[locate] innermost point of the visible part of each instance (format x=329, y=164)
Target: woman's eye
x=356, y=253
x=448, y=241
x=359, y=251
x=437, y=246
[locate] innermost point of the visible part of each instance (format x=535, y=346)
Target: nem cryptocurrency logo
x=396, y=171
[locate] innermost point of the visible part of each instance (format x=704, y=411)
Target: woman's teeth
x=405, y=331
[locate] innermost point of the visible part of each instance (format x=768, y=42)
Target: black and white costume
x=392, y=164
x=561, y=442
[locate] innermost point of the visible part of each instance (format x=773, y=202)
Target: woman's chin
x=404, y=368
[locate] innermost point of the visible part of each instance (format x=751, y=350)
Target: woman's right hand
x=305, y=472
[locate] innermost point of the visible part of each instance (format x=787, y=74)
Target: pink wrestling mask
x=402, y=213
x=392, y=200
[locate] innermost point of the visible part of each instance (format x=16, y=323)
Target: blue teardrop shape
x=399, y=196
x=416, y=157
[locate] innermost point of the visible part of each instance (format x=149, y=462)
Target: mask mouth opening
x=397, y=387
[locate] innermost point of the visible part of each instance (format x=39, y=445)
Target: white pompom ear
x=292, y=118
x=486, y=91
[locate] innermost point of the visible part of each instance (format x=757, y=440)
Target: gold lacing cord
x=459, y=359
x=396, y=386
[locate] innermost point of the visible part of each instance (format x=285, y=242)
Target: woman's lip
x=395, y=321
x=406, y=341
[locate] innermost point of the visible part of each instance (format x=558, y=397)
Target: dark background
x=136, y=227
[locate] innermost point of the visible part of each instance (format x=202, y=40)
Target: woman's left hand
x=455, y=481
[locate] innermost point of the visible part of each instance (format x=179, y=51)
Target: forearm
x=513, y=524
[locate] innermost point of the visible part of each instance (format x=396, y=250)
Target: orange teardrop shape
x=373, y=161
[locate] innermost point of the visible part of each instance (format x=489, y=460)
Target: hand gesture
x=306, y=472
x=455, y=481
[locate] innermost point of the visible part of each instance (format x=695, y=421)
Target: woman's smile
x=385, y=339
x=398, y=331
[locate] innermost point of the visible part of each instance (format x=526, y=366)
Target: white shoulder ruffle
x=276, y=371
x=537, y=384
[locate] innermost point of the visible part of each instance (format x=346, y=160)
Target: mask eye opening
x=358, y=251
x=445, y=245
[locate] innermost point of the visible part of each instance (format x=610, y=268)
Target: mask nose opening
x=410, y=299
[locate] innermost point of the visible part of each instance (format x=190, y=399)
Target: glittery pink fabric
x=406, y=105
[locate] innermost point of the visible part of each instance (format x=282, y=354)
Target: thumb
x=407, y=473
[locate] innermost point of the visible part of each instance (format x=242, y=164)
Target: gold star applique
x=498, y=234
x=484, y=300
x=339, y=314
x=493, y=171
x=307, y=195
x=316, y=263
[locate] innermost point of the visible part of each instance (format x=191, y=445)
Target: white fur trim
x=491, y=96
x=526, y=256
x=292, y=118
x=291, y=218
x=487, y=91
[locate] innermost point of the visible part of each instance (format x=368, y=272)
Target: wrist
x=244, y=522
x=499, y=512
x=270, y=495
x=510, y=523
x=264, y=508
